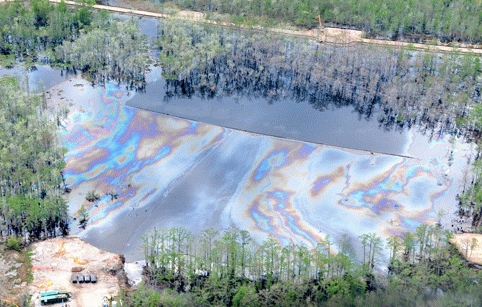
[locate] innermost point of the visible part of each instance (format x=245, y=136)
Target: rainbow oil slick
x=166, y=171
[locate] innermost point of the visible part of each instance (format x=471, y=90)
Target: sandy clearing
x=52, y=263
x=463, y=243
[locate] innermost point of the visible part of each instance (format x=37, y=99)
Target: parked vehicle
x=55, y=292
x=74, y=278
x=52, y=299
x=93, y=278
x=86, y=277
x=49, y=293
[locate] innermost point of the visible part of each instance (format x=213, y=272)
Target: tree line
x=410, y=87
x=79, y=39
x=230, y=269
x=445, y=20
x=31, y=163
x=112, y=50
x=29, y=29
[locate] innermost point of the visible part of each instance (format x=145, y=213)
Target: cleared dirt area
x=52, y=263
x=469, y=245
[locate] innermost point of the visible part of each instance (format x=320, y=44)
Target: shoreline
x=332, y=35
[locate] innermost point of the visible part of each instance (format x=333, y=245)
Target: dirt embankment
x=469, y=246
x=52, y=263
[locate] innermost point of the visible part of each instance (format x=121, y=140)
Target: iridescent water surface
x=170, y=171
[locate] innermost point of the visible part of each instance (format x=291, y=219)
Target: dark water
x=362, y=97
x=216, y=177
x=240, y=90
x=43, y=77
x=338, y=126
x=171, y=172
x=40, y=77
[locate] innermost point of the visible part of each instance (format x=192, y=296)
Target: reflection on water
x=368, y=97
x=175, y=172
x=40, y=77
x=43, y=77
x=336, y=125
x=169, y=171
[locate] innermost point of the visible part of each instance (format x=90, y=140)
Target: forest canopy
x=447, y=20
x=31, y=163
x=28, y=29
x=231, y=269
x=412, y=87
x=113, y=49
x=78, y=38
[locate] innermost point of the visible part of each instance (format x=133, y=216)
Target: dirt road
x=330, y=35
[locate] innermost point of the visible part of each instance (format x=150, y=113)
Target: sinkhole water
x=271, y=158
x=170, y=171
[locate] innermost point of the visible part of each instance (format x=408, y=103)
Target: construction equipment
x=52, y=299
x=55, y=292
x=80, y=262
x=61, y=250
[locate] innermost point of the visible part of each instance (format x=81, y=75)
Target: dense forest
x=113, y=50
x=32, y=205
x=78, y=39
x=230, y=269
x=28, y=30
x=31, y=162
x=445, y=20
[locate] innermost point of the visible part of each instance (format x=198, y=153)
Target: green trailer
x=49, y=293
x=52, y=299
x=54, y=292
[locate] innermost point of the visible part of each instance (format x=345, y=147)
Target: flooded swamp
x=279, y=136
